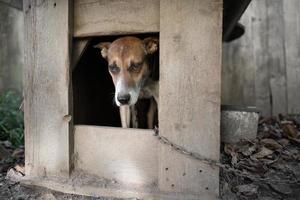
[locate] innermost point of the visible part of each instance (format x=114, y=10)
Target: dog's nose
x=124, y=99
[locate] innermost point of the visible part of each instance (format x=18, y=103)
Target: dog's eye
x=134, y=67
x=114, y=69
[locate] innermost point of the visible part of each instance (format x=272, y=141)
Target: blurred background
x=11, y=69
x=262, y=67
x=11, y=43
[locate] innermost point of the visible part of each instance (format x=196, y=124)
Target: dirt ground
x=17, y=192
x=267, y=168
x=11, y=189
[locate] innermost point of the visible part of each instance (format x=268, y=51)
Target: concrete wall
x=262, y=68
x=11, y=46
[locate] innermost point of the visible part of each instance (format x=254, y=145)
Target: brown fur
x=127, y=51
x=127, y=59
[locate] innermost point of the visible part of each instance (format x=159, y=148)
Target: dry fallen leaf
x=248, y=150
x=17, y=153
x=274, y=156
x=281, y=188
x=270, y=144
x=13, y=175
x=284, y=142
x=251, y=165
x=289, y=130
x=264, y=120
x=228, y=148
x=247, y=190
x=295, y=140
x=262, y=153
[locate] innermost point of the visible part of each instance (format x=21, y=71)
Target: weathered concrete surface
x=237, y=125
x=11, y=51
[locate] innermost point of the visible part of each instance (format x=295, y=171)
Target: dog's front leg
x=125, y=116
x=134, y=120
x=151, y=113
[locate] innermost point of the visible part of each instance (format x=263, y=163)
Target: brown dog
x=129, y=68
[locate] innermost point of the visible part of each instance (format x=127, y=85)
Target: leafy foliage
x=11, y=118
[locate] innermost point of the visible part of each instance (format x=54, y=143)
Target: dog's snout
x=124, y=98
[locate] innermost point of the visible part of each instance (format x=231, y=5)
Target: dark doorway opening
x=93, y=89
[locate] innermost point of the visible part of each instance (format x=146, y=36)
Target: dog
x=128, y=65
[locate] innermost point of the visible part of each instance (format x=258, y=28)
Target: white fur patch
x=122, y=88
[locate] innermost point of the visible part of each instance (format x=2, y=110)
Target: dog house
x=109, y=161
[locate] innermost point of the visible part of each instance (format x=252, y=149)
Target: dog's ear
x=103, y=46
x=151, y=44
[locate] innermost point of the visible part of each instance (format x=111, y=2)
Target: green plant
x=11, y=118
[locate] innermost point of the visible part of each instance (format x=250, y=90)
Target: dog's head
x=128, y=65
